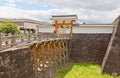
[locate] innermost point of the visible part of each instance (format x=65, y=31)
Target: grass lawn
x=82, y=71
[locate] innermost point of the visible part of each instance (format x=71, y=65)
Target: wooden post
x=71, y=27
x=49, y=59
x=70, y=47
x=66, y=51
x=35, y=36
x=57, y=28
x=55, y=56
x=36, y=66
x=22, y=37
x=0, y=41
x=24, y=31
x=13, y=41
x=43, y=60
x=39, y=36
x=60, y=55
x=28, y=35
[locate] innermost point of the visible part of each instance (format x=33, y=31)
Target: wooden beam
x=71, y=30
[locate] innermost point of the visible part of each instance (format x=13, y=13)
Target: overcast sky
x=89, y=11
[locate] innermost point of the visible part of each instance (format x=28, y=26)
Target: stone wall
x=111, y=62
x=16, y=64
x=89, y=47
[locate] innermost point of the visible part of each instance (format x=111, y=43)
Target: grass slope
x=82, y=71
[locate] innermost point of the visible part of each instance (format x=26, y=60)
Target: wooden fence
x=10, y=40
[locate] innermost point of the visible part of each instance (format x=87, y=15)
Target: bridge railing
x=11, y=40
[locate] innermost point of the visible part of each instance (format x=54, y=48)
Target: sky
x=89, y=11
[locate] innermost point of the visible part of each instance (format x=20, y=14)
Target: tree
x=9, y=27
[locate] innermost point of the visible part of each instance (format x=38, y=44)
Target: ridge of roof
x=64, y=15
x=21, y=20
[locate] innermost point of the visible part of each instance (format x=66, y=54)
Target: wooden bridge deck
x=27, y=39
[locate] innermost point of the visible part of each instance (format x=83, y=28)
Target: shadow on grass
x=82, y=70
x=62, y=72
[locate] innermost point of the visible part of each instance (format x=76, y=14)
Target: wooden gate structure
x=49, y=56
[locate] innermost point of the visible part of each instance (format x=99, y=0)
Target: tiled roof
x=92, y=25
x=64, y=15
x=20, y=20
x=25, y=20
x=55, y=17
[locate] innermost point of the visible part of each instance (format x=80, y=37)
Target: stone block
x=16, y=64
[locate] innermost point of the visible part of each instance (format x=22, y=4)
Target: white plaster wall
x=46, y=29
x=30, y=25
x=82, y=29
x=93, y=29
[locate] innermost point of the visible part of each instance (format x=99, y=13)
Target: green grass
x=61, y=73
x=82, y=71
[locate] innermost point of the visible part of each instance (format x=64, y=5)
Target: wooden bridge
x=49, y=51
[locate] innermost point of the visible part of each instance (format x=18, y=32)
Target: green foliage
x=65, y=27
x=8, y=27
x=82, y=70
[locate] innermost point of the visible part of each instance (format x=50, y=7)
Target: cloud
x=89, y=11
x=10, y=3
x=84, y=15
x=12, y=12
x=86, y=4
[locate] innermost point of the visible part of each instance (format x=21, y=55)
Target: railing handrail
x=11, y=40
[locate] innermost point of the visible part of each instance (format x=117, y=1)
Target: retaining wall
x=16, y=63
x=89, y=47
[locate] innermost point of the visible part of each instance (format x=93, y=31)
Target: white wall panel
x=94, y=29
x=30, y=25
x=47, y=30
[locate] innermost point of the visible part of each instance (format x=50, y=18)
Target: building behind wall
x=28, y=25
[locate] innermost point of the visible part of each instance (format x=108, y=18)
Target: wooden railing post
x=0, y=41
x=13, y=41
x=22, y=37
x=28, y=37
x=48, y=36
x=39, y=36
x=35, y=36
